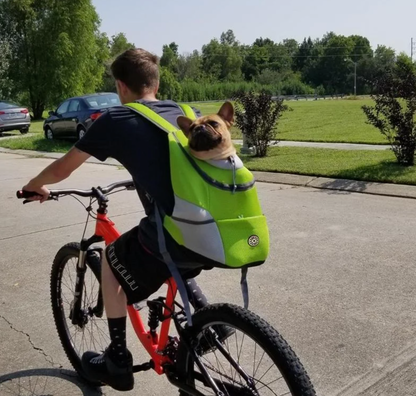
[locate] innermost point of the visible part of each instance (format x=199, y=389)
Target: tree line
x=52, y=49
x=314, y=66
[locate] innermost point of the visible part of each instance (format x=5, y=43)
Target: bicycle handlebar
x=93, y=192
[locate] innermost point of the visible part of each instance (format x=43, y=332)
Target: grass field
x=341, y=121
x=374, y=165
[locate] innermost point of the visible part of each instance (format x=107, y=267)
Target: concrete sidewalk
x=386, y=189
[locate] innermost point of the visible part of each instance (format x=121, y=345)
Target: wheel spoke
x=259, y=363
x=265, y=373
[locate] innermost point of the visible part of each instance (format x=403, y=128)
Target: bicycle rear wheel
x=267, y=364
x=91, y=330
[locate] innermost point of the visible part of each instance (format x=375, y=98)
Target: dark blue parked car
x=74, y=116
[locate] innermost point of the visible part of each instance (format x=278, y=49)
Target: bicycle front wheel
x=90, y=331
x=253, y=359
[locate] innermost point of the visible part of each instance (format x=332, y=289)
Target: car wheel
x=81, y=132
x=49, y=133
x=24, y=130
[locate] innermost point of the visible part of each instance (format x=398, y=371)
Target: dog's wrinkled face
x=209, y=136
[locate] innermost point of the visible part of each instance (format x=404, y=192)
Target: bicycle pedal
x=143, y=367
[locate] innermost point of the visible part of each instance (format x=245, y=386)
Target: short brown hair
x=138, y=69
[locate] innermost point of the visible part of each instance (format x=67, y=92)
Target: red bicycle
x=251, y=359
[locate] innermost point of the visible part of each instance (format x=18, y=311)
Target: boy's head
x=136, y=72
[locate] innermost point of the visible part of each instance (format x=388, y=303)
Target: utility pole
x=355, y=78
x=412, y=48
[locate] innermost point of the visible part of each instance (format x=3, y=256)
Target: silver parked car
x=13, y=117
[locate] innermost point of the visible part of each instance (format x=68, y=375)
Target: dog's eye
x=214, y=124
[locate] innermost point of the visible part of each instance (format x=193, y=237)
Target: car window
x=74, y=106
x=7, y=105
x=101, y=101
x=63, y=108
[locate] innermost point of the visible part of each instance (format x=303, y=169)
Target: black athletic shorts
x=139, y=272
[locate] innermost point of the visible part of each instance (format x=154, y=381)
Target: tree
x=169, y=57
x=385, y=58
x=256, y=60
x=56, y=49
x=190, y=67
x=116, y=46
x=257, y=116
x=228, y=38
x=5, y=52
x=119, y=44
x=303, y=54
x=394, y=111
x=169, y=88
x=292, y=46
x=221, y=61
x=334, y=64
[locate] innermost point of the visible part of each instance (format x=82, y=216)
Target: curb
x=323, y=183
x=350, y=186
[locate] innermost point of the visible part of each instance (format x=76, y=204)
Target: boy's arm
x=55, y=172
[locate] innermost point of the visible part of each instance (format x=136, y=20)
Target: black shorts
x=139, y=272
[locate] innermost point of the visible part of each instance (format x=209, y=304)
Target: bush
x=395, y=109
x=294, y=86
x=257, y=115
x=193, y=91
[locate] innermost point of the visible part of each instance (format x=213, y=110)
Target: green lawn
x=36, y=127
x=341, y=121
x=371, y=165
x=37, y=142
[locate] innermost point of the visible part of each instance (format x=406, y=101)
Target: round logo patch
x=253, y=240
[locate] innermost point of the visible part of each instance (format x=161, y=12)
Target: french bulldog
x=209, y=136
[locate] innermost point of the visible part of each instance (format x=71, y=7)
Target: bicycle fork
x=77, y=315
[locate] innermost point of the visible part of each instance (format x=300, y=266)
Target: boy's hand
x=42, y=191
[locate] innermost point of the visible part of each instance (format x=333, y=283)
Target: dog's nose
x=200, y=128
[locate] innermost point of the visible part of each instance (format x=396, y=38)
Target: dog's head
x=209, y=136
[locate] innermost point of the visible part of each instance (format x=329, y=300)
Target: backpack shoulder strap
x=187, y=110
x=152, y=116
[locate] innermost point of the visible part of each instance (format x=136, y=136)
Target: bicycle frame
x=153, y=343
x=157, y=345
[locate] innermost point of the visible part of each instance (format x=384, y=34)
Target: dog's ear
x=227, y=112
x=185, y=124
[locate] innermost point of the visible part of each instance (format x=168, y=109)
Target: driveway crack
x=48, y=358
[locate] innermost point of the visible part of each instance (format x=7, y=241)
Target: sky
x=193, y=23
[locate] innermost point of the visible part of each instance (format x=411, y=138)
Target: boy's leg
x=115, y=365
x=129, y=274
x=115, y=301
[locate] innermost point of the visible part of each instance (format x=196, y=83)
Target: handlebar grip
x=25, y=194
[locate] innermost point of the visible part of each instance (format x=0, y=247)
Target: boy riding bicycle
x=132, y=268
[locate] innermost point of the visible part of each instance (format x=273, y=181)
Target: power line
x=295, y=56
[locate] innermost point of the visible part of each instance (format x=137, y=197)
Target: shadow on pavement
x=343, y=186
x=45, y=382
